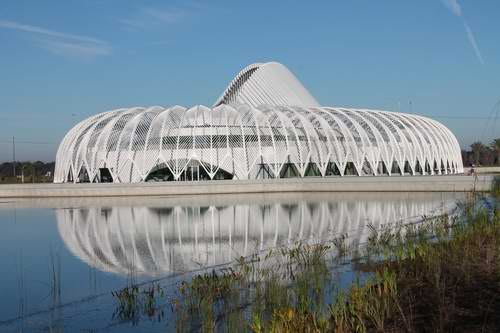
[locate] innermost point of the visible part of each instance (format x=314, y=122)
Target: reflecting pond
x=61, y=258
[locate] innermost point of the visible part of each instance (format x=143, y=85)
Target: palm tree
x=477, y=148
x=495, y=146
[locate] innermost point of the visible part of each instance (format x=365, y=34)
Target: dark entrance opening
x=222, y=174
x=418, y=168
x=160, y=174
x=105, y=176
x=83, y=176
x=332, y=170
x=407, y=168
x=313, y=170
x=395, y=168
x=289, y=170
x=382, y=168
x=350, y=169
x=192, y=172
x=264, y=170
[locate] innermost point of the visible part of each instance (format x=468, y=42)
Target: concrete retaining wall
x=341, y=184
x=489, y=169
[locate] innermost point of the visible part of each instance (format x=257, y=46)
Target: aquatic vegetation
x=55, y=278
x=418, y=277
x=439, y=275
x=258, y=293
x=135, y=301
x=442, y=275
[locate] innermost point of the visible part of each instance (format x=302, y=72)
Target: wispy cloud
x=166, y=16
x=135, y=23
x=151, y=18
x=454, y=6
x=61, y=43
x=456, y=9
x=75, y=49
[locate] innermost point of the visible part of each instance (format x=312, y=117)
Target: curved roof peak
x=269, y=83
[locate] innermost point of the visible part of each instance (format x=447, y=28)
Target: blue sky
x=64, y=60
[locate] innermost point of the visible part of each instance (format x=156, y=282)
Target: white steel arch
x=265, y=125
x=266, y=84
x=246, y=142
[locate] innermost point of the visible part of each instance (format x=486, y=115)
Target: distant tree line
x=481, y=154
x=30, y=172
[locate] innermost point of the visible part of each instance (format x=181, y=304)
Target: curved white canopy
x=270, y=83
x=265, y=125
x=251, y=143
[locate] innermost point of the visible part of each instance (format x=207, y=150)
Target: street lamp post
x=13, y=157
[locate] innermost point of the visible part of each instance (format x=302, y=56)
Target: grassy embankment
x=442, y=275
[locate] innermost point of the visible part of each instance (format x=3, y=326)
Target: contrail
x=472, y=41
x=456, y=9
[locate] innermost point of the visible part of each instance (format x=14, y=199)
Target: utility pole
x=14, y=157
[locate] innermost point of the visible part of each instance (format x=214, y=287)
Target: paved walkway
x=456, y=183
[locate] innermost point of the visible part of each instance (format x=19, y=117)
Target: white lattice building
x=265, y=125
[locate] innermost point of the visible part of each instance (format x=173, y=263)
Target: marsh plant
x=257, y=291
x=438, y=275
x=55, y=278
x=135, y=302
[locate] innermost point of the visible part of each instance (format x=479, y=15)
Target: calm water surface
x=61, y=258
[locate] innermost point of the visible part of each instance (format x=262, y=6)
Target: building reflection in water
x=164, y=236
